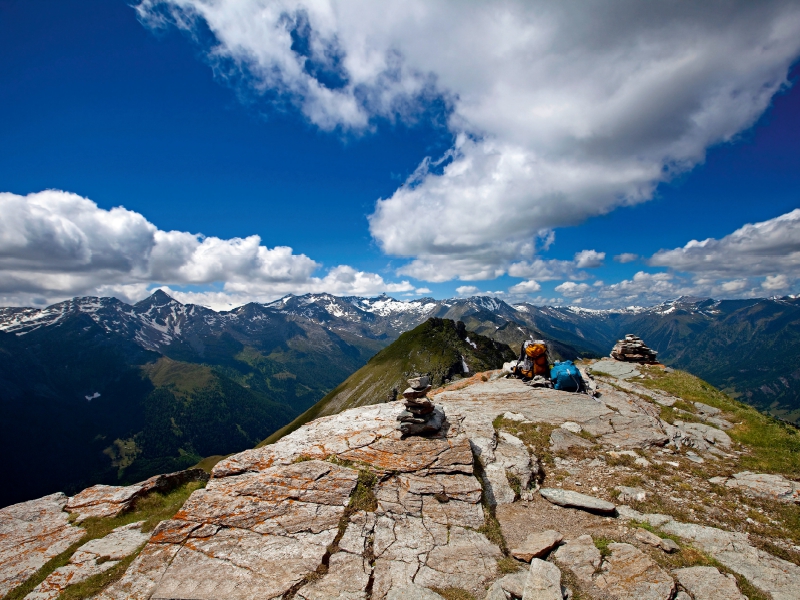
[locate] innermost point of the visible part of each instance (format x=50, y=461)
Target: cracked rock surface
x=93, y=558
x=265, y=524
x=347, y=507
x=31, y=533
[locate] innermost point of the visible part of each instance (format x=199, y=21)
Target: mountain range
x=97, y=390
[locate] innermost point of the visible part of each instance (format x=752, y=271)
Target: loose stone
x=572, y=499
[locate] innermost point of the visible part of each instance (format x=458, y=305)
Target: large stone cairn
x=633, y=349
x=420, y=415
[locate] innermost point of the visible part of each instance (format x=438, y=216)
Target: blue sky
x=178, y=116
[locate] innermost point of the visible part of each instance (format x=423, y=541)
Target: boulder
x=543, y=582
x=581, y=557
x=537, y=545
x=419, y=383
x=571, y=426
x=647, y=537
x=572, y=499
x=707, y=583
x=512, y=585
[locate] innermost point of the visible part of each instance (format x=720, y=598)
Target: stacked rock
x=420, y=415
x=633, y=349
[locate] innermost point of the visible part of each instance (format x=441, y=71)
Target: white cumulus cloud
x=757, y=249
x=626, y=257
x=557, y=114
x=525, y=287
x=570, y=289
x=55, y=244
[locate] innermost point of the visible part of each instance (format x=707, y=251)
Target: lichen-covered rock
x=94, y=557
x=31, y=533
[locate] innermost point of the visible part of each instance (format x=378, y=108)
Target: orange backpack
x=534, y=360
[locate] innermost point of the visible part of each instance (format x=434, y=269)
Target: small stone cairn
x=420, y=416
x=633, y=349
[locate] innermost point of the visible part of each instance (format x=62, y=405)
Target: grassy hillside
x=438, y=347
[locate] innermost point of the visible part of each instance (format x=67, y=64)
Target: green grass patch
x=152, y=510
x=363, y=497
x=602, y=544
x=774, y=446
x=535, y=435
x=209, y=462
x=454, y=593
x=509, y=564
x=94, y=585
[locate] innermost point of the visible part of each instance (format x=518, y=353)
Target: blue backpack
x=565, y=376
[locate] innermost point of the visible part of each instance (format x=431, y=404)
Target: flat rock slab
x=572, y=499
x=707, y=583
x=83, y=564
x=537, y=545
x=543, y=582
x=615, y=368
x=629, y=574
x=31, y=533
x=764, y=485
x=488, y=400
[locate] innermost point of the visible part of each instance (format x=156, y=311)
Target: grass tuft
x=508, y=564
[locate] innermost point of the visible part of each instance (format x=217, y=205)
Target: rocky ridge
x=524, y=493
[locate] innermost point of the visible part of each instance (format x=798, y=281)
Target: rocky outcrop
x=111, y=500
x=266, y=525
x=350, y=507
x=772, y=575
x=775, y=487
x=31, y=533
x=93, y=558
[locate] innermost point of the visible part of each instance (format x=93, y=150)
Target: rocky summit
x=522, y=492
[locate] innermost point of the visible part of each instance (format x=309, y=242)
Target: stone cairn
x=420, y=415
x=633, y=349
